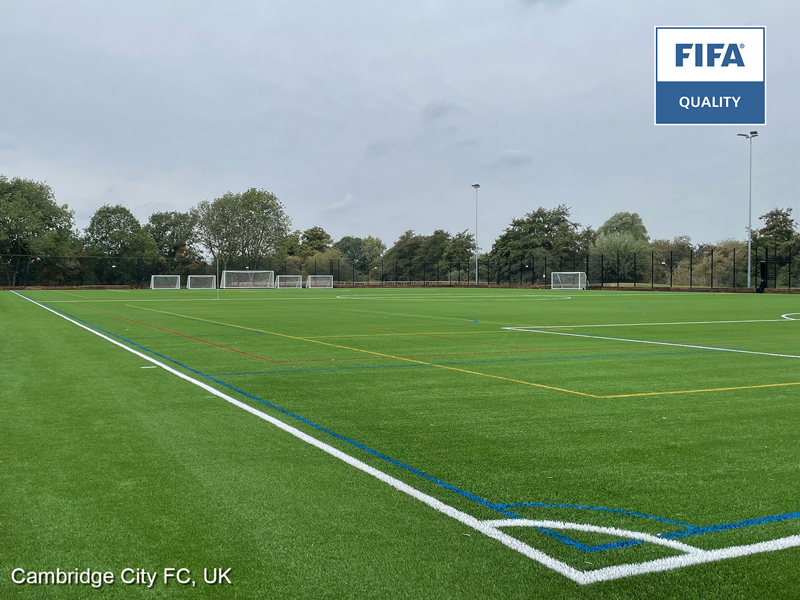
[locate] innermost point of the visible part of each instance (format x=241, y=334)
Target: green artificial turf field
x=464, y=443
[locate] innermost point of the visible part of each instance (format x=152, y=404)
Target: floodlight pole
x=749, y=137
x=476, y=186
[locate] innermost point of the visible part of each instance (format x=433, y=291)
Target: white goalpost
x=289, y=281
x=568, y=280
x=251, y=280
x=165, y=282
x=319, y=281
x=201, y=282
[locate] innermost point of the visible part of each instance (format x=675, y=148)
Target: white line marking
x=788, y=316
x=150, y=367
x=647, y=324
x=685, y=560
x=580, y=577
x=617, y=339
x=626, y=533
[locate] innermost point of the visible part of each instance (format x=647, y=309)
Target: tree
x=172, y=231
x=373, y=248
x=625, y=222
x=460, y=249
x=433, y=247
x=245, y=227
x=314, y=240
x=779, y=227
x=32, y=223
x=621, y=249
x=114, y=231
x=543, y=230
x=360, y=250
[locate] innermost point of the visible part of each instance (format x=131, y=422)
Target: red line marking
x=180, y=334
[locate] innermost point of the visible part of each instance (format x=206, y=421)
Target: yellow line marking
x=381, y=354
x=725, y=389
x=449, y=368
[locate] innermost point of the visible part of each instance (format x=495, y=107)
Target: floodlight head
x=742, y=134
x=753, y=133
x=476, y=185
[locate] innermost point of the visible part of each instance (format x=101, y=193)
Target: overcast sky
x=371, y=118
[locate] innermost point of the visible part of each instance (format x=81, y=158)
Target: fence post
x=602, y=269
x=587, y=269
x=652, y=269
x=634, y=269
x=691, y=253
x=733, y=281
x=712, y=268
x=544, y=276
x=670, y=269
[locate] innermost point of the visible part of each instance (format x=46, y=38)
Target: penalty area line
x=652, y=342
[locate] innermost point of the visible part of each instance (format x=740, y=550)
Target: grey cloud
x=435, y=111
x=512, y=159
x=378, y=149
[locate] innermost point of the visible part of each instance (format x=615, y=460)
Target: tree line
x=252, y=228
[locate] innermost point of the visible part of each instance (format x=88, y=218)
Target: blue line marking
x=734, y=525
x=501, y=508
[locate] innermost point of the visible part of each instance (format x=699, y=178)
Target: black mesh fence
x=705, y=268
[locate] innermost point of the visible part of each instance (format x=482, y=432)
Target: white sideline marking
x=643, y=324
x=694, y=556
x=617, y=339
x=788, y=316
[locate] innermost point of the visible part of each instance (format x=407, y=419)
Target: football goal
x=251, y=280
x=289, y=281
x=569, y=280
x=319, y=281
x=201, y=282
x=165, y=282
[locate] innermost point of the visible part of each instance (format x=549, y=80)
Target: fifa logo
x=732, y=55
x=710, y=76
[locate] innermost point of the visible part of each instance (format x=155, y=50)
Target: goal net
x=165, y=282
x=289, y=281
x=252, y=280
x=319, y=281
x=201, y=282
x=569, y=280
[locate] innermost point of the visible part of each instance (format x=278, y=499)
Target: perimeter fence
x=706, y=269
